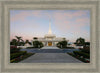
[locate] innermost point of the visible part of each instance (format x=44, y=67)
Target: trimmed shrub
x=37, y=44
x=15, y=55
x=14, y=49
x=85, y=50
x=12, y=46
x=13, y=60
x=79, y=53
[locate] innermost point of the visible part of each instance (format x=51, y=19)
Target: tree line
x=62, y=44
x=18, y=41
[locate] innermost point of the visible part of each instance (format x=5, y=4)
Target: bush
x=13, y=60
x=15, y=55
x=62, y=44
x=29, y=47
x=79, y=53
x=70, y=48
x=22, y=57
x=13, y=46
x=37, y=44
x=85, y=50
x=14, y=50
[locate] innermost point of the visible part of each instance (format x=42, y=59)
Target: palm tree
x=27, y=41
x=22, y=42
x=18, y=39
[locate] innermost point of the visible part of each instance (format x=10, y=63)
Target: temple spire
x=49, y=32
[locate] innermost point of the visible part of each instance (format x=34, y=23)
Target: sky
x=70, y=24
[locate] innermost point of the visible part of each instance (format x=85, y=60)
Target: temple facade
x=50, y=39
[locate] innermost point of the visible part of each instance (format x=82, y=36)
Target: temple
x=50, y=39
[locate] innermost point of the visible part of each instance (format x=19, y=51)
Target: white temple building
x=50, y=39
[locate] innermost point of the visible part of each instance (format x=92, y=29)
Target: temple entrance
x=49, y=43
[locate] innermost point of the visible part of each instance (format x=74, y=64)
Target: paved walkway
x=51, y=58
x=49, y=47
x=49, y=50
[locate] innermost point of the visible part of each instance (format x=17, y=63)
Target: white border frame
x=6, y=66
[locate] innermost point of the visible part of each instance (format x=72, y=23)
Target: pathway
x=51, y=58
x=49, y=47
x=49, y=50
x=50, y=55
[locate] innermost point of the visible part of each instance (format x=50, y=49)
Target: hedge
x=85, y=50
x=15, y=55
x=18, y=59
x=79, y=53
x=14, y=50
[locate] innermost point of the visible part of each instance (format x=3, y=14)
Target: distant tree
x=37, y=44
x=30, y=43
x=69, y=44
x=64, y=39
x=14, y=42
x=58, y=44
x=87, y=43
x=80, y=41
x=35, y=38
x=22, y=42
x=41, y=44
x=62, y=44
x=18, y=39
x=27, y=41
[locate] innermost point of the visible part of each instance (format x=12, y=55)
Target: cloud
x=71, y=21
x=71, y=14
x=36, y=13
x=22, y=15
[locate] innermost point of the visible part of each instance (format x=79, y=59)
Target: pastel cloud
x=72, y=23
x=76, y=14
x=24, y=14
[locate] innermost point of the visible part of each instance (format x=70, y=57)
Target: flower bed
x=79, y=53
x=16, y=55
x=14, y=49
x=80, y=57
x=21, y=57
